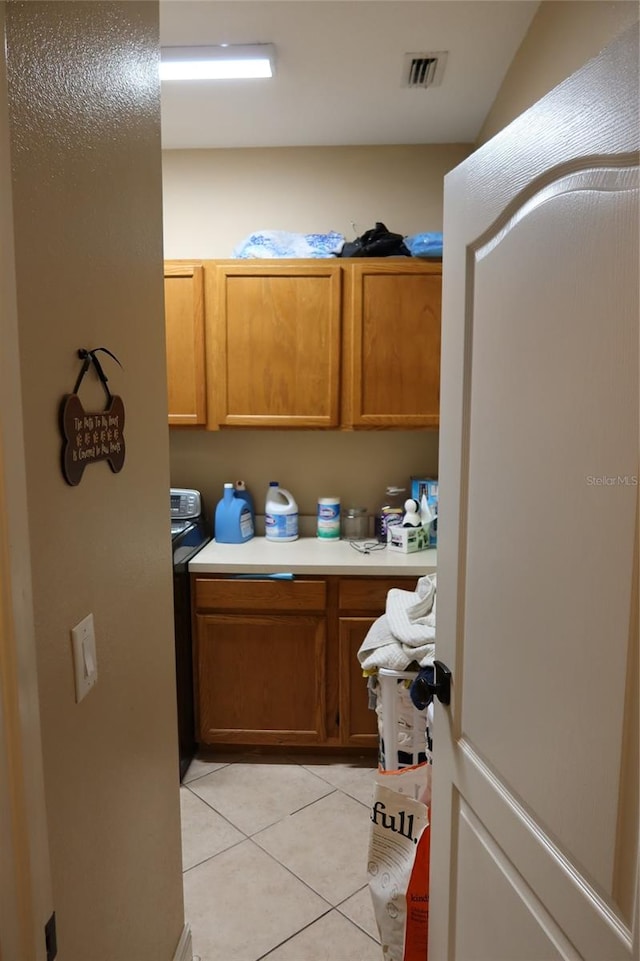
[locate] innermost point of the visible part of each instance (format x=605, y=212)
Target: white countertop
x=308, y=555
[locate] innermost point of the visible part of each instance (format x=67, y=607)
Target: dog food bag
x=398, y=872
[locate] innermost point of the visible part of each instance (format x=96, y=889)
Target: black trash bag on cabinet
x=377, y=242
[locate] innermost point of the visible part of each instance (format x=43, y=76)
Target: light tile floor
x=274, y=859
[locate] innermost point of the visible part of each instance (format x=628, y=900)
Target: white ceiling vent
x=423, y=69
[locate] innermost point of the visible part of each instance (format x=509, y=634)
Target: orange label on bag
x=416, y=936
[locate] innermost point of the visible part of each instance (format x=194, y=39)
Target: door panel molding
x=542, y=926
x=535, y=847
x=596, y=173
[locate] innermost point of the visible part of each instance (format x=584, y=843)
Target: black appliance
x=188, y=536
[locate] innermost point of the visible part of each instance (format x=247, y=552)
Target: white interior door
x=535, y=807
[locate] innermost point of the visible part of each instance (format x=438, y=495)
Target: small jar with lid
x=355, y=523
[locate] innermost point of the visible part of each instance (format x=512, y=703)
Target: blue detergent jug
x=242, y=492
x=233, y=520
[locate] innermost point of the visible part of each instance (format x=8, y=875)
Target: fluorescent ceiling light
x=223, y=62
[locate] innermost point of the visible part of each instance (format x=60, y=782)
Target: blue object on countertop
x=277, y=576
x=424, y=245
x=242, y=492
x=233, y=519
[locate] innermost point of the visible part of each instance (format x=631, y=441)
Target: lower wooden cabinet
x=261, y=678
x=360, y=601
x=276, y=661
x=358, y=723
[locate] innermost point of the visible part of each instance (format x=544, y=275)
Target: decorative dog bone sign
x=91, y=436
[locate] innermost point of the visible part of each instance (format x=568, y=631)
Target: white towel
x=406, y=632
x=411, y=614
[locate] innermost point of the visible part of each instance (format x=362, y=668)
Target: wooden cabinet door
x=276, y=347
x=391, y=363
x=184, y=324
x=261, y=678
x=358, y=724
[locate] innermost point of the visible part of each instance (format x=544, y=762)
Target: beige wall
x=563, y=35
x=25, y=878
x=85, y=152
x=213, y=199
x=353, y=466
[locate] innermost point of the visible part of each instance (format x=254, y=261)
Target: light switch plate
x=85, y=663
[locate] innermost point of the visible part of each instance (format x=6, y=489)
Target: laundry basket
x=402, y=727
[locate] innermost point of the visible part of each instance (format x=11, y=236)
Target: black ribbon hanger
x=89, y=357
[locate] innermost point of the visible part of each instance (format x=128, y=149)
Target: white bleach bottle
x=280, y=514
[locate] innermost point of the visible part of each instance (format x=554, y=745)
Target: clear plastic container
x=355, y=523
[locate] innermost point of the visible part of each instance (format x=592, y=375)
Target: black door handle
x=441, y=686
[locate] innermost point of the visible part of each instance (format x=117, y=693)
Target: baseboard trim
x=184, y=951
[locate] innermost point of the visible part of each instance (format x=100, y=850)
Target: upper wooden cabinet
x=391, y=362
x=350, y=344
x=185, y=338
x=275, y=344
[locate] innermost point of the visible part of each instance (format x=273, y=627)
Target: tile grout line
x=339, y=906
x=198, y=777
x=297, y=810
x=302, y=881
x=321, y=778
x=220, y=815
x=268, y=853
x=343, y=790
x=286, y=868
x=264, y=957
x=332, y=789
x=329, y=907
x=235, y=844
x=251, y=837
